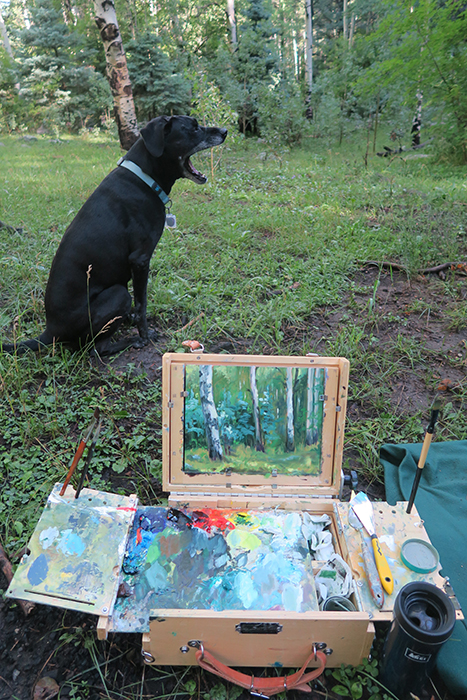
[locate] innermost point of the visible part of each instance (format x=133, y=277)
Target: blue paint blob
x=71, y=543
x=38, y=570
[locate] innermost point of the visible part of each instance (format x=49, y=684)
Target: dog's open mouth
x=191, y=173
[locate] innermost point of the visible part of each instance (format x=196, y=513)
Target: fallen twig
x=402, y=149
x=190, y=323
x=461, y=267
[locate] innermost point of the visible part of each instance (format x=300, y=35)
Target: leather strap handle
x=264, y=687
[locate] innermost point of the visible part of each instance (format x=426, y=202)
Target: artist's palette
x=214, y=560
x=76, y=551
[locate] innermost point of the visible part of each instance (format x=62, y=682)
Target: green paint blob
x=154, y=552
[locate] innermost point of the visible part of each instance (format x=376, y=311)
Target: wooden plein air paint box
x=252, y=447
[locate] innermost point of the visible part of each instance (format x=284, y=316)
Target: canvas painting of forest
x=253, y=420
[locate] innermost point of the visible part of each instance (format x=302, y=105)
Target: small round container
x=338, y=603
x=419, y=556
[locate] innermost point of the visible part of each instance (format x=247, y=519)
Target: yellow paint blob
x=243, y=539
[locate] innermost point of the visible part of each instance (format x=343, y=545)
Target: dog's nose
x=224, y=132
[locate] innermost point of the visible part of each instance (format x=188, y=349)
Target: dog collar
x=129, y=165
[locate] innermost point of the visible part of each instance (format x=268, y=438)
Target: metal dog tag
x=170, y=221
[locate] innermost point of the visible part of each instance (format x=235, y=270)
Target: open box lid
x=253, y=424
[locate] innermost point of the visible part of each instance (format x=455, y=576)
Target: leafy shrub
x=281, y=111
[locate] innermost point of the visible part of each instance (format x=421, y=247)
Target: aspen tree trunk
x=376, y=124
x=27, y=21
x=290, y=440
x=6, y=43
x=344, y=19
x=254, y=396
x=232, y=22
x=295, y=55
x=417, y=121
x=352, y=29
x=71, y=12
x=5, y=39
x=309, y=55
x=211, y=419
x=117, y=72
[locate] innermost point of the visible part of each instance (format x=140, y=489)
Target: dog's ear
x=153, y=135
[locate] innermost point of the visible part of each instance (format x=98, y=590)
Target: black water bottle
x=424, y=619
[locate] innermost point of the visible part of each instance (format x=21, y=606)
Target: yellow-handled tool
x=361, y=506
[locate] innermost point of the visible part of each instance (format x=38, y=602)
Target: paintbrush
x=79, y=451
x=435, y=409
x=88, y=458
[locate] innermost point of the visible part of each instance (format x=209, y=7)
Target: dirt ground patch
x=418, y=321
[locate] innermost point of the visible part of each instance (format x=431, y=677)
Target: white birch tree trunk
x=352, y=29
x=309, y=55
x=290, y=440
x=5, y=39
x=232, y=23
x=211, y=420
x=295, y=55
x=117, y=72
x=254, y=396
x=417, y=120
x=6, y=43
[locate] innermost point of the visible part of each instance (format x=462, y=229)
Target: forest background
x=281, y=69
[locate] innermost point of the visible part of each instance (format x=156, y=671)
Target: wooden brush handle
x=76, y=458
x=424, y=452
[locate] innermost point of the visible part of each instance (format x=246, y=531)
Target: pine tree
x=255, y=61
x=156, y=88
x=55, y=85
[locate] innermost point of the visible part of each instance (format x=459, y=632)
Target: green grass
x=258, y=254
x=266, y=258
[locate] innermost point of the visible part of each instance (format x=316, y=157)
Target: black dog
x=113, y=236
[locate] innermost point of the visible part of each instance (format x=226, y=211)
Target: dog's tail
x=35, y=344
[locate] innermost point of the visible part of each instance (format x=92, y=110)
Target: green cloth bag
x=441, y=501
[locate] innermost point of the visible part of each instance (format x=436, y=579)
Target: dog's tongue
x=194, y=174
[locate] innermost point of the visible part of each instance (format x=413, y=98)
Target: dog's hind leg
x=106, y=313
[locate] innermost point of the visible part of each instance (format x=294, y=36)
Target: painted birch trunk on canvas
x=211, y=419
x=290, y=441
x=256, y=416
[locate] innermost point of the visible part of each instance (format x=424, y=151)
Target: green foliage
x=255, y=61
x=219, y=691
x=210, y=106
x=281, y=112
x=353, y=682
x=157, y=89
x=57, y=90
x=367, y=67
x=425, y=50
x=258, y=256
